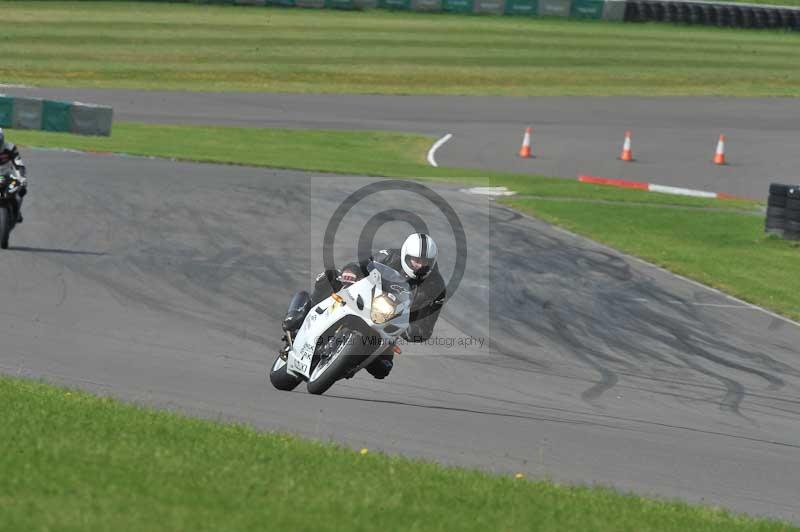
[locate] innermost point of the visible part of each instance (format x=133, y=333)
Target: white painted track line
x=436, y=145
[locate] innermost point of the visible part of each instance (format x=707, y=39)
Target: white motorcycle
x=344, y=333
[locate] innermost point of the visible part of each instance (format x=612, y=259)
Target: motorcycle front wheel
x=280, y=378
x=349, y=353
x=5, y=226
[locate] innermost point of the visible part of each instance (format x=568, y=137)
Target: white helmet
x=418, y=255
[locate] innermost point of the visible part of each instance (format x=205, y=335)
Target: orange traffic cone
x=627, y=153
x=719, y=156
x=525, y=150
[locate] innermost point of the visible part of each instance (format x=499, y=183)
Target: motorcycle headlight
x=383, y=309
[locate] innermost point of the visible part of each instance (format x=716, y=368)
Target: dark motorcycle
x=10, y=189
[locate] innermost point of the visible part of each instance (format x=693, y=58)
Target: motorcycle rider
x=417, y=259
x=10, y=160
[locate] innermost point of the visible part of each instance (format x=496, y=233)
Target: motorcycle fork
x=284, y=354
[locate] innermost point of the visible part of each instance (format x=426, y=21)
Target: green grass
x=72, y=461
x=354, y=152
x=191, y=47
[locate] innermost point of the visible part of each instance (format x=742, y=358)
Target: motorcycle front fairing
x=331, y=311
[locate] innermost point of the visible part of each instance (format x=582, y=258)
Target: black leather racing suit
x=10, y=160
x=428, y=297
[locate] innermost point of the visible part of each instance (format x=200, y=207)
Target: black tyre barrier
x=787, y=18
x=724, y=16
x=777, y=189
x=697, y=15
x=783, y=211
x=711, y=15
x=762, y=18
x=792, y=216
x=646, y=11
x=776, y=212
x=777, y=201
x=775, y=227
x=793, y=201
x=671, y=14
x=792, y=231
x=748, y=18
x=778, y=223
x=684, y=12
x=737, y=17
x=659, y=12
x=632, y=12
x=792, y=19
x=774, y=19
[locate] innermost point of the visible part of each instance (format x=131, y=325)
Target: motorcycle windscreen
x=392, y=281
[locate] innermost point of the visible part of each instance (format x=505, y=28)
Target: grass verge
x=216, y=48
x=345, y=152
x=374, y=153
x=73, y=461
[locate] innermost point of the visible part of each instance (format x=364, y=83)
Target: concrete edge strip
x=489, y=191
x=116, y=154
x=436, y=145
x=652, y=187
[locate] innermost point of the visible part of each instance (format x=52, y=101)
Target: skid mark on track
x=588, y=304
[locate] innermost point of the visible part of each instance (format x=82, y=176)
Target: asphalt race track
x=165, y=282
x=673, y=138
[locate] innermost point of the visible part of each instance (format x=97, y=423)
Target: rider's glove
x=348, y=277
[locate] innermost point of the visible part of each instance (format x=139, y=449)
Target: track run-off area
x=165, y=283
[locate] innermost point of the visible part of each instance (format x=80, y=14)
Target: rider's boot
x=382, y=365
